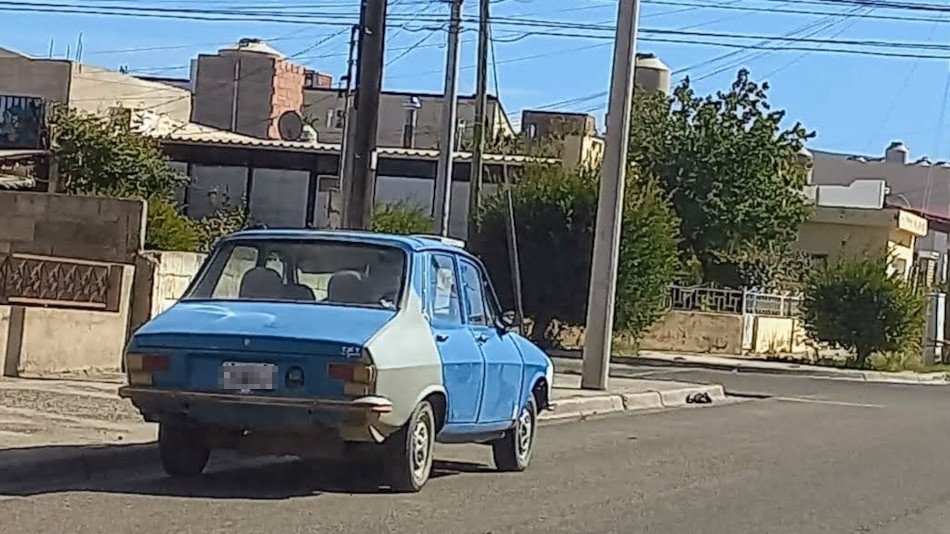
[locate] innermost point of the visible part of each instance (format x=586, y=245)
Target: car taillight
x=356, y=373
x=142, y=366
x=150, y=363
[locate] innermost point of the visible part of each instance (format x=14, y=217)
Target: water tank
x=897, y=153
x=252, y=45
x=651, y=74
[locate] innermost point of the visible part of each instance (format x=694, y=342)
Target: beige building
x=325, y=109
x=87, y=87
x=835, y=232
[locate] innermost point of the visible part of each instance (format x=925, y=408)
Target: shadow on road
x=135, y=471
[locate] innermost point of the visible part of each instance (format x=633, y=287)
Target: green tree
x=104, y=156
x=733, y=174
x=554, y=210
x=856, y=304
x=401, y=218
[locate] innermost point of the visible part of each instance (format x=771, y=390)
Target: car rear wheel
x=513, y=451
x=410, y=452
x=182, y=449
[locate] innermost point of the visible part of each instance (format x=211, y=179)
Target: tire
x=409, y=462
x=183, y=451
x=512, y=453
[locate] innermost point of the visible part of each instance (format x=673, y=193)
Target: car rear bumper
x=352, y=419
x=378, y=405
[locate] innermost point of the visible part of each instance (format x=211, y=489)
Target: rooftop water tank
x=651, y=74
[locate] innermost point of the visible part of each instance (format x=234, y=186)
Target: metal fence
x=714, y=300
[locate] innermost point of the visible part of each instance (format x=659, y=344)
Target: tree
x=401, y=218
x=104, y=156
x=856, y=304
x=733, y=175
x=555, y=210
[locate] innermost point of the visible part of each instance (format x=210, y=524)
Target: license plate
x=248, y=376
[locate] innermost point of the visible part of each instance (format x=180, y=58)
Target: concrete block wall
x=161, y=278
x=70, y=226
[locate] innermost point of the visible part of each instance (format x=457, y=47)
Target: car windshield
x=308, y=271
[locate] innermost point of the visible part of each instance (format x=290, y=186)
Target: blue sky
x=855, y=103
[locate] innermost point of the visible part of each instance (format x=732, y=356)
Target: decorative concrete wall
x=38, y=341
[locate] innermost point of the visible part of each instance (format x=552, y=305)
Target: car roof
x=415, y=243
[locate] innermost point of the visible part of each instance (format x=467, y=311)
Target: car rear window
x=304, y=271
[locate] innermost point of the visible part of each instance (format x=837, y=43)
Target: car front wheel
x=513, y=451
x=183, y=450
x=410, y=451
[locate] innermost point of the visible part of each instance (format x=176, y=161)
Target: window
x=239, y=261
x=304, y=271
x=445, y=304
x=474, y=294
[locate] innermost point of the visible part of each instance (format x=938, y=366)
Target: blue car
x=350, y=345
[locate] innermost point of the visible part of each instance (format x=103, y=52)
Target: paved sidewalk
x=764, y=366
x=70, y=428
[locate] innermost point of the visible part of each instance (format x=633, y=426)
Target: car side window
x=477, y=312
x=444, y=290
x=492, y=309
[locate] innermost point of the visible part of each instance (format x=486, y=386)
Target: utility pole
x=346, y=144
x=443, y=179
x=603, y=278
x=481, y=119
x=361, y=188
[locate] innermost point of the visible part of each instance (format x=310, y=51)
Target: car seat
x=261, y=283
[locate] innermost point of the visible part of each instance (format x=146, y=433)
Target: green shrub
x=401, y=218
x=168, y=229
x=857, y=305
x=555, y=210
x=224, y=221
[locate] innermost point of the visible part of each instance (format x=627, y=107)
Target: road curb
x=573, y=408
x=93, y=462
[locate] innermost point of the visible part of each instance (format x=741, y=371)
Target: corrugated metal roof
x=163, y=127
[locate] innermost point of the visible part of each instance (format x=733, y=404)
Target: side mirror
x=509, y=320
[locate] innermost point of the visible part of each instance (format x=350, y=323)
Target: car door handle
x=441, y=338
x=481, y=338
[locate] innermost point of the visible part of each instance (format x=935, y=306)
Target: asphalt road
x=796, y=455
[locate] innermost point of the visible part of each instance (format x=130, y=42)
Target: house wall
x=95, y=90
x=321, y=104
x=287, y=93
x=835, y=241
x=44, y=78
x=908, y=182
x=214, y=92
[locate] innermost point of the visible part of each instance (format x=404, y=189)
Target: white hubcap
x=525, y=433
x=419, y=447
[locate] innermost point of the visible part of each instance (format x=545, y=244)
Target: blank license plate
x=248, y=376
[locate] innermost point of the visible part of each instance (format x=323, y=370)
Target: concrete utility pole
x=603, y=278
x=443, y=179
x=360, y=191
x=346, y=139
x=481, y=119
